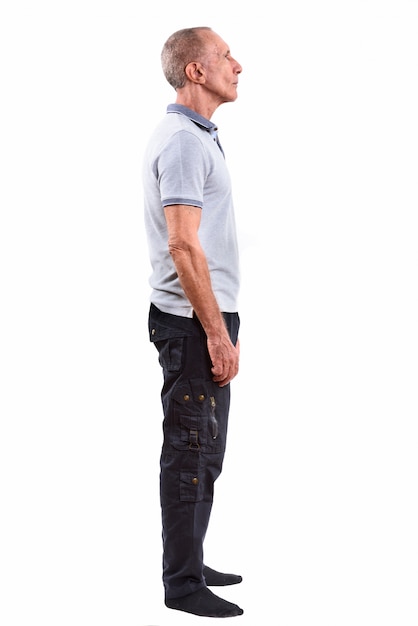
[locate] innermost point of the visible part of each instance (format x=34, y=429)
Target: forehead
x=214, y=44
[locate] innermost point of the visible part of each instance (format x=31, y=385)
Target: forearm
x=194, y=276
x=193, y=272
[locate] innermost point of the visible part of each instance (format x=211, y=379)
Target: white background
x=317, y=504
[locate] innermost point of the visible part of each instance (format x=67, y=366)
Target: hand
x=225, y=359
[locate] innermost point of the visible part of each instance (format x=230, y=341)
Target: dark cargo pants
x=194, y=438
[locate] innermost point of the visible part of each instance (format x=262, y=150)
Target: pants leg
x=194, y=439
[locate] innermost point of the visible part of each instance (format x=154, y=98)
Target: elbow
x=176, y=250
x=180, y=249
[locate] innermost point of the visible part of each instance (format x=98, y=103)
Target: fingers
x=221, y=379
x=223, y=382
x=225, y=360
x=224, y=372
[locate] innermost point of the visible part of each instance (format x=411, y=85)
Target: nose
x=237, y=67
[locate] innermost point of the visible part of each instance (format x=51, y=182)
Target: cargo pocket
x=195, y=417
x=190, y=418
x=170, y=353
x=169, y=342
x=191, y=486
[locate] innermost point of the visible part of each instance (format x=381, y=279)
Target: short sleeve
x=182, y=169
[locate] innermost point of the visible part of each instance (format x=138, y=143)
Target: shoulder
x=185, y=143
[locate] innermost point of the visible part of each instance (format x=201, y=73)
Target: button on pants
x=194, y=438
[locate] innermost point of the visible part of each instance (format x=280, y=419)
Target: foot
x=204, y=603
x=218, y=579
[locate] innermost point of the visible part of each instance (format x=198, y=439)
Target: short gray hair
x=180, y=49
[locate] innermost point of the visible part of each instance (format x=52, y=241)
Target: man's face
x=221, y=69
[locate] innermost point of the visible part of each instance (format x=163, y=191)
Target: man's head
x=179, y=50
x=199, y=57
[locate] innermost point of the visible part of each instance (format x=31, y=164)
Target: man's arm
x=192, y=268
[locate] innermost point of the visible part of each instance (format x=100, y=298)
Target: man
x=193, y=319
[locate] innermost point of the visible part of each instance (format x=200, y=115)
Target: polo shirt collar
x=192, y=115
x=201, y=121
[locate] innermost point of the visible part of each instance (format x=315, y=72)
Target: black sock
x=218, y=579
x=203, y=602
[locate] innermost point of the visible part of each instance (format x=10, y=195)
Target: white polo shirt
x=184, y=164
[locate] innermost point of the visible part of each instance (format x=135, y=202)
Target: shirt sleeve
x=182, y=170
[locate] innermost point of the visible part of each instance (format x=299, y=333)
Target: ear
x=195, y=72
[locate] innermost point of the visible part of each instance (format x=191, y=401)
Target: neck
x=197, y=101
